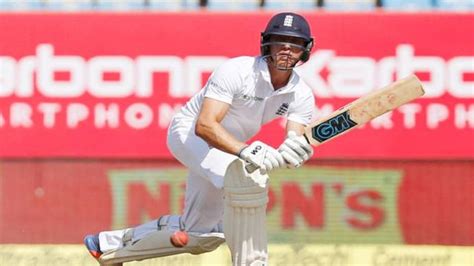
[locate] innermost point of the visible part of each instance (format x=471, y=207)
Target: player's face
x=286, y=50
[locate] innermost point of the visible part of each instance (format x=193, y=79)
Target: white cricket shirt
x=244, y=83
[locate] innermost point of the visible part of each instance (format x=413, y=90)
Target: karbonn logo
x=348, y=76
x=87, y=76
x=354, y=76
x=333, y=127
x=256, y=150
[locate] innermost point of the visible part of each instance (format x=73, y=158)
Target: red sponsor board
x=69, y=82
x=412, y=202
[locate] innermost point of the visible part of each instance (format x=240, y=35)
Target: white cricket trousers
x=204, y=198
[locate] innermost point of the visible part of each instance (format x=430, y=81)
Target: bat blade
x=363, y=110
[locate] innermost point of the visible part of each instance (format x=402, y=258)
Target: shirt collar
x=265, y=72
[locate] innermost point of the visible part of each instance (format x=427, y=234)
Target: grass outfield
x=295, y=255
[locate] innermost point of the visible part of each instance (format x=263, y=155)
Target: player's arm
x=295, y=126
x=209, y=128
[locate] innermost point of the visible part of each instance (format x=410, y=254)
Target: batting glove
x=262, y=156
x=295, y=150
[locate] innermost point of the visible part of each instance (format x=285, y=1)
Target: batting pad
x=246, y=198
x=157, y=244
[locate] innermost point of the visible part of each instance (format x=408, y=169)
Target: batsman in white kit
x=225, y=202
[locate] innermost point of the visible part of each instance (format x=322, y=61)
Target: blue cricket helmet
x=287, y=24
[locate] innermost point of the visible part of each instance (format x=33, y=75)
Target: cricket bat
x=361, y=111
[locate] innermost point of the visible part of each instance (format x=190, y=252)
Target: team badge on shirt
x=282, y=109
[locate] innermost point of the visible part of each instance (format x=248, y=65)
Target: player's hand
x=262, y=156
x=295, y=150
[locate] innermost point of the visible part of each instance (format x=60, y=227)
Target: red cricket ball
x=179, y=239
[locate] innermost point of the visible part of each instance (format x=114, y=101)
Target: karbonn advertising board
x=107, y=85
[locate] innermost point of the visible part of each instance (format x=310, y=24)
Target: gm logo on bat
x=332, y=127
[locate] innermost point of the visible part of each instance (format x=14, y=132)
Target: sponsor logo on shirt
x=251, y=98
x=282, y=109
x=212, y=84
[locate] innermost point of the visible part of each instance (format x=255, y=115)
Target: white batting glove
x=295, y=150
x=262, y=156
